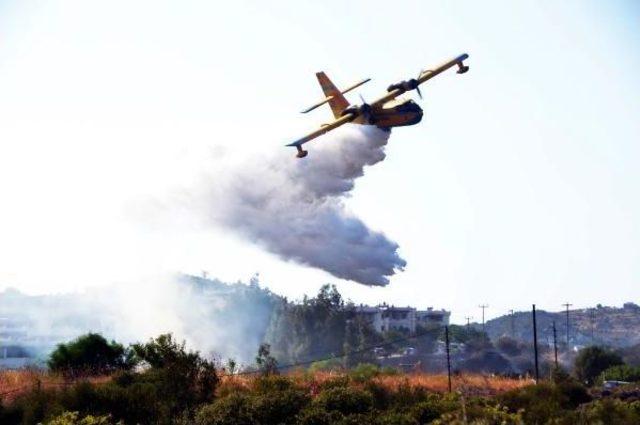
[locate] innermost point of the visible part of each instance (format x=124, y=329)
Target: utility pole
x=467, y=318
x=567, y=305
x=513, y=328
x=483, y=306
x=555, y=344
x=446, y=340
x=535, y=342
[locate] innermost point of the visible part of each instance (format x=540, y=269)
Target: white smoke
x=217, y=319
x=295, y=209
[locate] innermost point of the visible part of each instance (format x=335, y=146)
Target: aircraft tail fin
x=336, y=100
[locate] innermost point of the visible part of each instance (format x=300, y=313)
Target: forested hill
x=614, y=326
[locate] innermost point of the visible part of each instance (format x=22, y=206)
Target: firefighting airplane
x=386, y=112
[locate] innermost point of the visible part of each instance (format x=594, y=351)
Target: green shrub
x=326, y=365
x=236, y=409
x=266, y=407
x=184, y=379
x=176, y=383
x=539, y=403
x=394, y=418
x=592, y=361
x=364, y=372
x=611, y=411
x=572, y=394
x=279, y=407
x=390, y=371
x=73, y=418
x=481, y=414
x=622, y=373
x=317, y=415
x=89, y=354
x=382, y=396
x=433, y=407
x=345, y=400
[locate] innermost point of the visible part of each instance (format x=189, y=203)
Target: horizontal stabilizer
x=329, y=98
x=311, y=108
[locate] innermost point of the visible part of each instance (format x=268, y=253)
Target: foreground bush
x=142, y=398
x=184, y=378
x=546, y=401
x=73, y=418
x=90, y=354
x=175, y=383
x=611, y=411
x=274, y=400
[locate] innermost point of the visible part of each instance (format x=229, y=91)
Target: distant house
x=383, y=318
x=399, y=319
x=431, y=317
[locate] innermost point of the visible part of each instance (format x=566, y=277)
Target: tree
x=266, y=362
x=310, y=330
x=90, y=354
x=186, y=378
x=592, y=361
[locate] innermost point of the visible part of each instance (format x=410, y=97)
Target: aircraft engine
x=404, y=85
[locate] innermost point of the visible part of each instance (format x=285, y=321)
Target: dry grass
x=465, y=383
x=16, y=382
x=470, y=384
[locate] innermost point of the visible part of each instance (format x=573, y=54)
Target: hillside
x=613, y=326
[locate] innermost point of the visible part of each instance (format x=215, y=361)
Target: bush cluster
x=272, y=399
x=172, y=385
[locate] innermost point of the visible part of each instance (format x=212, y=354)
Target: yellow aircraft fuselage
x=395, y=113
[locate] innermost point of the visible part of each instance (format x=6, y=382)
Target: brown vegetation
x=470, y=384
x=16, y=382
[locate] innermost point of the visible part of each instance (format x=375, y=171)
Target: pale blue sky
x=519, y=186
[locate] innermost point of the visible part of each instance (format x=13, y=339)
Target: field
x=364, y=394
x=16, y=382
x=468, y=384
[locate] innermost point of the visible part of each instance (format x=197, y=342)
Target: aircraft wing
x=396, y=90
x=324, y=128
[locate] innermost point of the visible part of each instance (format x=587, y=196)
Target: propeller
x=365, y=108
x=418, y=87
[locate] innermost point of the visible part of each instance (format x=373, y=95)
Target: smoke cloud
x=295, y=208
x=220, y=320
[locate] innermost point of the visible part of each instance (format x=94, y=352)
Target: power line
x=513, y=328
x=483, y=306
x=535, y=341
x=446, y=339
x=555, y=344
x=593, y=325
x=567, y=305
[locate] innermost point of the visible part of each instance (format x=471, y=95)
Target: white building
x=431, y=317
x=384, y=318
